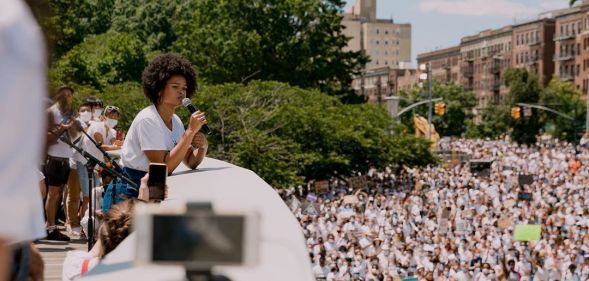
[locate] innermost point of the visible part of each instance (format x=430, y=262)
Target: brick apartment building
x=485, y=57
x=533, y=48
x=445, y=64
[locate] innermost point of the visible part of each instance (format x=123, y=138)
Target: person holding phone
x=57, y=166
x=157, y=134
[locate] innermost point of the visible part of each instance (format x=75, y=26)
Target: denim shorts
x=84, y=179
x=122, y=190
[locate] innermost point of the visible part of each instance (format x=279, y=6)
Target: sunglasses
x=110, y=108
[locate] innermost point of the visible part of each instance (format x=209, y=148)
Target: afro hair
x=161, y=69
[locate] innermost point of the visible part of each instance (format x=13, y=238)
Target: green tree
x=73, y=20
x=459, y=105
x=295, y=41
x=151, y=21
x=562, y=96
x=287, y=134
x=100, y=61
x=495, y=122
x=128, y=96
x=524, y=88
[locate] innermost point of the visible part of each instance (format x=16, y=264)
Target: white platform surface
x=282, y=253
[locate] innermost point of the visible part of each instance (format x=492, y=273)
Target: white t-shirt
x=148, y=132
x=77, y=157
x=74, y=262
x=22, y=93
x=108, y=134
x=59, y=149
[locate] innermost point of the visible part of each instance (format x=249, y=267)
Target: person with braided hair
x=115, y=228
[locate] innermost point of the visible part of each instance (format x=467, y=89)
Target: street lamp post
x=429, y=113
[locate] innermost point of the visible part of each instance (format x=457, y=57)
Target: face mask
x=85, y=116
x=97, y=112
x=111, y=122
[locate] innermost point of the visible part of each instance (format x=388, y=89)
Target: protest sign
x=357, y=182
x=527, y=232
x=509, y=204
x=322, y=186
x=351, y=199
x=444, y=226
x=525, y=179
x=346, y=213
x=480, y=168
x=504, y=222
x=524, y=196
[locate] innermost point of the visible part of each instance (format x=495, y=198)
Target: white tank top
x=60, y=149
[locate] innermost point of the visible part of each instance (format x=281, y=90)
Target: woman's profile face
x=174, y=91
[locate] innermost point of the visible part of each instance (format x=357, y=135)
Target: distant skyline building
x=388, y=44
x=554, y=45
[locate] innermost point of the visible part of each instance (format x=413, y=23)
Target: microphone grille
x=186, y=102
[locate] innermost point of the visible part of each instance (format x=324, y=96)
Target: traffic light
x=515, y=112
x=440, y=108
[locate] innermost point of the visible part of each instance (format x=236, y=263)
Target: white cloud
x=499, y=8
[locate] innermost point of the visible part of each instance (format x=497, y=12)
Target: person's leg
x=57, y=173
x=85, y=188
x=43, y=188
x=73, y=198
x=51, y=205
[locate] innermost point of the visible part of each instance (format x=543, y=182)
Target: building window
x=377, y=31
x=386, y=62
x=386, y=32
x=386, y=42
x=377, y=42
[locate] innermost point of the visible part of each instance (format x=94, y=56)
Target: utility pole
x=429, y=113
x=587, y=106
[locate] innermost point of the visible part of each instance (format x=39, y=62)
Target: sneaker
x=55, y=235
x=74, y=232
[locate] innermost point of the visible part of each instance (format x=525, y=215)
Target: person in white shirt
x=157, y=134
x=22, y=93
x=57, y=167
x=78, y=179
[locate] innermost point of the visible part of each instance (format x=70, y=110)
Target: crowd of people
x=50, y=160
x=91, y=128
x=446, y=223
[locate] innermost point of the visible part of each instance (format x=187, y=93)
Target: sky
x=438, y=24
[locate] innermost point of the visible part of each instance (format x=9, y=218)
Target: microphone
x=188, y=104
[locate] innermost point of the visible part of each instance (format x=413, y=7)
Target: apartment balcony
x=566, y=77
x=533, y=61
x=564, y=37
x=468, y=71
x=564, y=57
x=468, y=87
x=496, y=85
x=534, y=44
x=495, y=68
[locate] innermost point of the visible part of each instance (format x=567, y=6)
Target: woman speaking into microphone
x=157, y=133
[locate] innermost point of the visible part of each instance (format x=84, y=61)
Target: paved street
x=53, y=253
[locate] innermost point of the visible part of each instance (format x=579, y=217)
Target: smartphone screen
x=199, y=238
x=158, y=172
